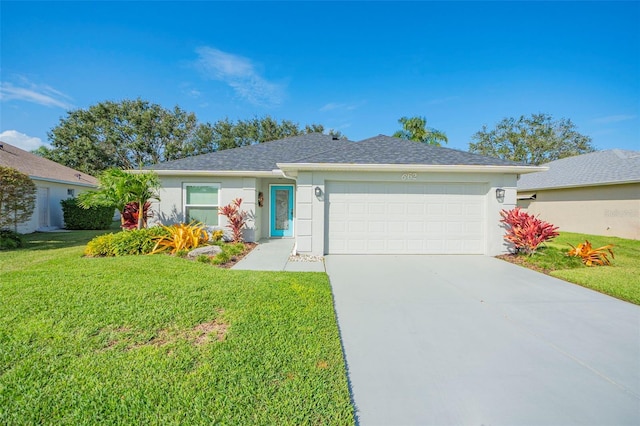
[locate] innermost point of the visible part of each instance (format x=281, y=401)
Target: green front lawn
x=621, y=279
x=162, y=340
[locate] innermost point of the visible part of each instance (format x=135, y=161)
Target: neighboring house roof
x=323, y=149
x=609, y=167
x=40, y=168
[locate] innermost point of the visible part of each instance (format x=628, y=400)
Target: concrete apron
x=273, y=255
x=473, y=340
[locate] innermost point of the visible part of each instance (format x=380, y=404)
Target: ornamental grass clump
x=181, y=237
x=591, y=256
x=525, y=231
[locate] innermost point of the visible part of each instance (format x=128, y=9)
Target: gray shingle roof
x=383, y=149
x=319, y=148
x=38, y=167
x=602, y=167
x=260, y=157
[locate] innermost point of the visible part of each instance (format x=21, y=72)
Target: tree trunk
x=140, y=213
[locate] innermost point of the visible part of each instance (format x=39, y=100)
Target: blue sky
x=353, y=66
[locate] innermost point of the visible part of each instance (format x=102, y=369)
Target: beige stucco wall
x=612, y=210
x=311, y=210
x=57, y=192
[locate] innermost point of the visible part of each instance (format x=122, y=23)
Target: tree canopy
x=415, y=129
x=133, y=133
x=227, y=134
x=17, y=198
x=125, y=134
x=532, y=140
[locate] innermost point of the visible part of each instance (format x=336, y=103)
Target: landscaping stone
x=206, y=250
x=305, y=258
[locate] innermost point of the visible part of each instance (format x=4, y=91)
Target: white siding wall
x=57, y=193
x=170, y=207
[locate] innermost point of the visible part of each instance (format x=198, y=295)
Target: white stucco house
x=596, y=193
x=382, y=195
x=54, y=183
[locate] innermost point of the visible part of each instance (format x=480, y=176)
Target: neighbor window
x=201, y=202
x=71, y=192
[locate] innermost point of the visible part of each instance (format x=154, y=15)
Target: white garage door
x=405, y=218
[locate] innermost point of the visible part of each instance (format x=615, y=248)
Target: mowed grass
x=621, y=279
x=162, y=340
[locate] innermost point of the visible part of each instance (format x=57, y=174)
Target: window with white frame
x=201, y=202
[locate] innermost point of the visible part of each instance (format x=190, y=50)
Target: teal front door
x=281, y=213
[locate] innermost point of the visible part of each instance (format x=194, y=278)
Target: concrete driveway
x=473, y=340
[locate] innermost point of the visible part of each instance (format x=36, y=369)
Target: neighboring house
x=381, y=195
x=596, y=193
x=54, y=182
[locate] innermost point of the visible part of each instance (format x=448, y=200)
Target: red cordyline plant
x=525, y=231
x=236, y=218
x=130, y=215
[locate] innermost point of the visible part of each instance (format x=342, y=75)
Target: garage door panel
x=395, y=208
x=416, y=209
x=430, y=218
x=414, y=227
x=377, y=209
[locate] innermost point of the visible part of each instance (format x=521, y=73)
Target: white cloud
x=614, y=118
x=22, y=141
x=341, y=106
x=239, y=73
x=37, y=93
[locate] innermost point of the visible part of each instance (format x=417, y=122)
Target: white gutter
x=64, y=182
x=252, y=173
x=435, y=168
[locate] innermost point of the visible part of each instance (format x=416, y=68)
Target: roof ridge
x=315, y=154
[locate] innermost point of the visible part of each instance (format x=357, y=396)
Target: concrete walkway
x=473, y=340
x=274, y=255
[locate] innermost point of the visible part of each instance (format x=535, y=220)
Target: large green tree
x=533, y=140
x=17, y=198
x=226, y=134
x=125, y=134
x=415, y=129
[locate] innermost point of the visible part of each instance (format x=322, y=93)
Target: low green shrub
x=101, y=245
x=124, y=243
x=182, y=253
x=203, y=258
x=221, y=258
x=10, y=240
x=229, y=251
x=75, y=217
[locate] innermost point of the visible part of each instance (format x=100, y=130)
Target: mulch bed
x=521, y=261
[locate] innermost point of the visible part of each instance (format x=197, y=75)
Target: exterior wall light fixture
x=500, y=194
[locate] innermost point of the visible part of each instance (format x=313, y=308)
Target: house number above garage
x=409, y=176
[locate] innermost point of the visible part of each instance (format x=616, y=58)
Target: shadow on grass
x=63, y=239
